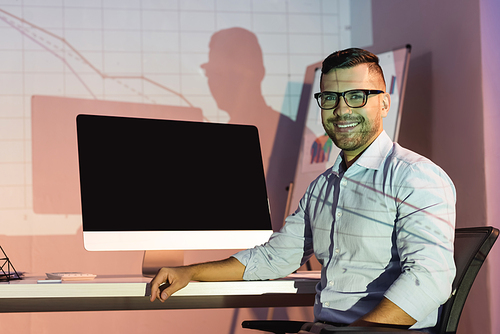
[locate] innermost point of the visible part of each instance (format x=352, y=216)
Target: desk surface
x=114, y=293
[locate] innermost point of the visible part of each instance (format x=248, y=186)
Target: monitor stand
x=155, y=259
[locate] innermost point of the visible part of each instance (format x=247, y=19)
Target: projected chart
x=129, y=55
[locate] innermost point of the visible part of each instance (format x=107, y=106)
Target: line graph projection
x=139, y=58
x=59, y=47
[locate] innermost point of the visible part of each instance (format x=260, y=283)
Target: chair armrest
x=286, y=326
x=328, y=329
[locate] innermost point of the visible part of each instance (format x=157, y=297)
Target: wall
x=443, y=111
x=490, y=59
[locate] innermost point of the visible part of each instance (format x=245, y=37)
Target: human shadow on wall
x=235, y=70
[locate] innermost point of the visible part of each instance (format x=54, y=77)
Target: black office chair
x=472, y=245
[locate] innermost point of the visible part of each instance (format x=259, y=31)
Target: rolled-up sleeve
x=284, y=253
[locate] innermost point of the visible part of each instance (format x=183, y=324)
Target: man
x=380, y=221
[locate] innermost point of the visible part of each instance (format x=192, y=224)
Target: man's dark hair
x=352, y=57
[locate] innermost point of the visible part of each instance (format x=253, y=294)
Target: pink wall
x=490, y=58
x=443, y=113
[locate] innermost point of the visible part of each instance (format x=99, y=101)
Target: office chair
x=472, y=245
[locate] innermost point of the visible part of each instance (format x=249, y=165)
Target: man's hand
x=174, y=278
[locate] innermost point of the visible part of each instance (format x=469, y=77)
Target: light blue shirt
x=383, y=227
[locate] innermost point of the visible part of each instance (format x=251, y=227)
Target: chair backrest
x=472, y=245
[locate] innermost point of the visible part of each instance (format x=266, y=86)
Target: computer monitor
x=151, y=184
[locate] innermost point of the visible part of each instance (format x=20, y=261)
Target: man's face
x=354, y=129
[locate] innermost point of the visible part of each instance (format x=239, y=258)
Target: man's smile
x=346, y=125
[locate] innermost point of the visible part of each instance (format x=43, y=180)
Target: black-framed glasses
x=355, y=98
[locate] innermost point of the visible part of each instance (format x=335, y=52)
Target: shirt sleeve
x=285, y=251
x=425, y=231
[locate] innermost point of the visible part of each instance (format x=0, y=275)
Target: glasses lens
x=355, y=98
x=328, y=100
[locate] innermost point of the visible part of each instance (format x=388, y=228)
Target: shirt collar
x=373, y=156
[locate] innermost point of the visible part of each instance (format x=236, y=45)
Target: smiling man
x=380, y=221
x=348, y=120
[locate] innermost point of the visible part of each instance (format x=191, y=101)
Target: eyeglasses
x=355, y=98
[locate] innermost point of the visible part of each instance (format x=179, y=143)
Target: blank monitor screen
x=149, y=184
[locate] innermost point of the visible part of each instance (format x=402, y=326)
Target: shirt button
x=327, y=304
x=339, y=214
x=337, y=250
x=330, y=283
x=343, y=183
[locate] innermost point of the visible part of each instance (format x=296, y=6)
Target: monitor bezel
x=123, y=239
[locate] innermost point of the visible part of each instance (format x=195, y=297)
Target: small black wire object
x=7, y=270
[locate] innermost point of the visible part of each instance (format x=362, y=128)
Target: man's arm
x=424, y=234
x=229, y=269
x=386, y=312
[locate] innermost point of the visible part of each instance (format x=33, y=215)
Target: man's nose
x=342, y=108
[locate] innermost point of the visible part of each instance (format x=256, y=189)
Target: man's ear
x=386, y=104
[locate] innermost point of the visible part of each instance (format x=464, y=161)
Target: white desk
x=112, y=293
